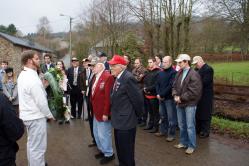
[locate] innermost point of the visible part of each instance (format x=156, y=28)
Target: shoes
x=78, y=117
x=92, y=145
x=189, y=151
x=46, y=164
x=159, y=134
x=203, y=135
x=170, y=139
x=67, y=122
x=153, y=131
x=99, y=155
x=86, y=119
x=60, y=122
x=148, y=128
x=142, y=124
x=180, y=146
x=106, y=160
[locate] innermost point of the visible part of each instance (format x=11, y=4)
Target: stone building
x=11, y=48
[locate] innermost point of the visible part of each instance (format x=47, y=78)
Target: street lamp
x=70, y=32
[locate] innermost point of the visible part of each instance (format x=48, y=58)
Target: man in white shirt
x=33, y=107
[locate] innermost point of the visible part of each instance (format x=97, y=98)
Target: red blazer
x=101, y=96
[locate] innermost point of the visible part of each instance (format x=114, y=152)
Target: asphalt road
x=68, y=146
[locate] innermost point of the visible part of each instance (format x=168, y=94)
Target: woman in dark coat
x=205, y=105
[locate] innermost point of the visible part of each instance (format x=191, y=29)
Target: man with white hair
x=100, y=98
x=205, y=105
x=127, y=106
x=186, y=92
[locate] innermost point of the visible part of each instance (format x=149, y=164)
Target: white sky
x=25, y=14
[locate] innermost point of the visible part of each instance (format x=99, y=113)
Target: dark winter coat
x=165, y=82
x=11, y=129
x=205, y=105
x=150, y=79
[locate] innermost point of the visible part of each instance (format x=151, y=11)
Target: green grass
x=236, y=73
x=233, y=128
x=231, y=48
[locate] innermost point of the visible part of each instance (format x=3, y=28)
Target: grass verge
x=236, y=73
x=232, y=128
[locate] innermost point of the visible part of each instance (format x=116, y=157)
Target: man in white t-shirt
x=33, y=107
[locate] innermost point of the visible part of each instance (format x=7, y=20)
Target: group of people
x=176, y=96
x=119, y=95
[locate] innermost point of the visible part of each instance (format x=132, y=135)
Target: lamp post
x=70, y=32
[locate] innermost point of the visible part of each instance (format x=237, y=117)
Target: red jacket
x=101, y=96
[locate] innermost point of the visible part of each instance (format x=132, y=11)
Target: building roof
x=25, y=43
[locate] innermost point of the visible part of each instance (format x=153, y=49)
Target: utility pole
x=70, y=33
x=70, y=36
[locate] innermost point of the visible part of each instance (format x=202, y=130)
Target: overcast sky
x=25, y=14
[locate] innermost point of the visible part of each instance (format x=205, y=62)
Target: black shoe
x=106, y=160
x=148, y=128
x=99, y=155
x=142, y=124
x=67, y=122
x=153, y=131
x=60, y=122
x=46, y=164
x=86, y=119
x=92, y=145
x=203, y=135
x=78, y=117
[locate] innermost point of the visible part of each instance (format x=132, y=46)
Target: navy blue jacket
x=165, y=82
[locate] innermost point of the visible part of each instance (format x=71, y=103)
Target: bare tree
x=144, y=10
x=236, y=11
x=43, y=27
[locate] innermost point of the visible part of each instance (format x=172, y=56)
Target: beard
x=36, y=65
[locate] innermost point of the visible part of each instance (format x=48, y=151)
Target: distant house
x=11, y=48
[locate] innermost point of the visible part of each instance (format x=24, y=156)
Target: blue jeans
x=186, y=123
x=103, y=136
x=168, y=115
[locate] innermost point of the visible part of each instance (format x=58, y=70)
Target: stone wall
x=10, y=53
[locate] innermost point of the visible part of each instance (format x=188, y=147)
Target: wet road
x=68, y=146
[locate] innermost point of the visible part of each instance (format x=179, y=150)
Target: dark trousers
x=145, y=113
x=76, y=97
x=203, y=126
x=125, y=146
x=153, y=109
x=90, y=117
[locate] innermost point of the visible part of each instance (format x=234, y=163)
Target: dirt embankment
x=232, y=102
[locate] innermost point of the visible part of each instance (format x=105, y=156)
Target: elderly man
x=187, y=92
x=34, y=110
x=103, y=59
x=205, y=105
x=167, y=107
x=126, y=106
x=100, y=97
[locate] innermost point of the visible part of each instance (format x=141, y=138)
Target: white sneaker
x=180, y=146
x=170, y=139
x=189, y=151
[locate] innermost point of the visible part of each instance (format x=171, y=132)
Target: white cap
x=197, y=59
x=183, y=57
